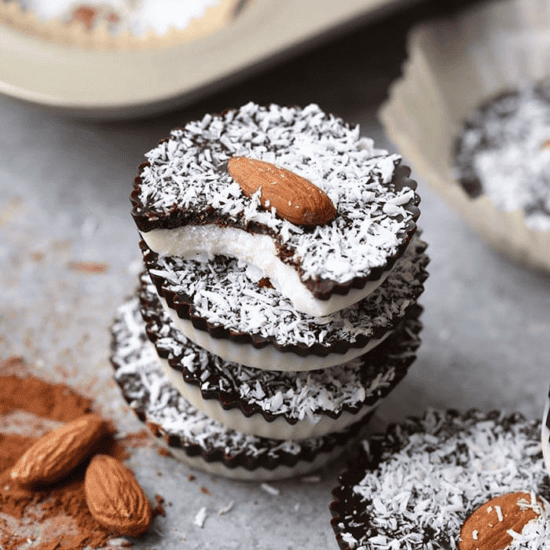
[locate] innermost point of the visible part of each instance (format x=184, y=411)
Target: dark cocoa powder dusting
x=55, y=517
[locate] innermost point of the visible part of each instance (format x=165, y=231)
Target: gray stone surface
x=64, y=187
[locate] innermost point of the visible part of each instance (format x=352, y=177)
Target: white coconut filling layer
x=268, y=357
x=256, y=424
x=207, y=241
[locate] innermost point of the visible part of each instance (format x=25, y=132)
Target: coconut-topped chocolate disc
x=185, y=201
x=423, y=479
x=220, y=306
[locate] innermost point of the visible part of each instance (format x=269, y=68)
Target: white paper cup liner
x=453, y=66
x=100, y=32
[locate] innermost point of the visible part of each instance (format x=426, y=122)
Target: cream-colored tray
x=115, y=83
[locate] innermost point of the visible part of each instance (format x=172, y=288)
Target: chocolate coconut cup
x=424, y=478
x=115, y=25
x=198, y=440
x=185, y=202
x=218, y=306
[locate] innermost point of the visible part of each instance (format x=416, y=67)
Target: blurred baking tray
x=118, y=84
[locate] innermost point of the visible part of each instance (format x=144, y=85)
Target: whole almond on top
x=487, y=528
x=115, y=498
x=293, y=197
x=56, y=454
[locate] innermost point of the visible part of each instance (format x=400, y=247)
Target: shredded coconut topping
x=149, y=392
x=221, y=291
x=296, y=395
x=270, y=489
x=187, y=172
x=424, y=479
x=505, y=150
x=200, y=517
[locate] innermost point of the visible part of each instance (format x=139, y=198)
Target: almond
x=487, y=528
x=293, y=197
x=115, y=498
x=56, y=454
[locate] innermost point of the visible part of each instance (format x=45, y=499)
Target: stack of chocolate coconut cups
x=278, y=302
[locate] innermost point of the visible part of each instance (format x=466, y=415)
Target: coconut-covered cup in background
x=455, y=67
x=447, y=480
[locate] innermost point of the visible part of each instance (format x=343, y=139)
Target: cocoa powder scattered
x=53, y=401
x=162, y=451
x=55, y=517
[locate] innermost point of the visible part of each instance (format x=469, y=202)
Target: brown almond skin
x=293, y=197
x=492, y=533
x=56, y=454
x=115, y=498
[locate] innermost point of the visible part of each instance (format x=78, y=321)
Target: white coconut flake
x=270, y=489
x=226, y=509
x=200, y=517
